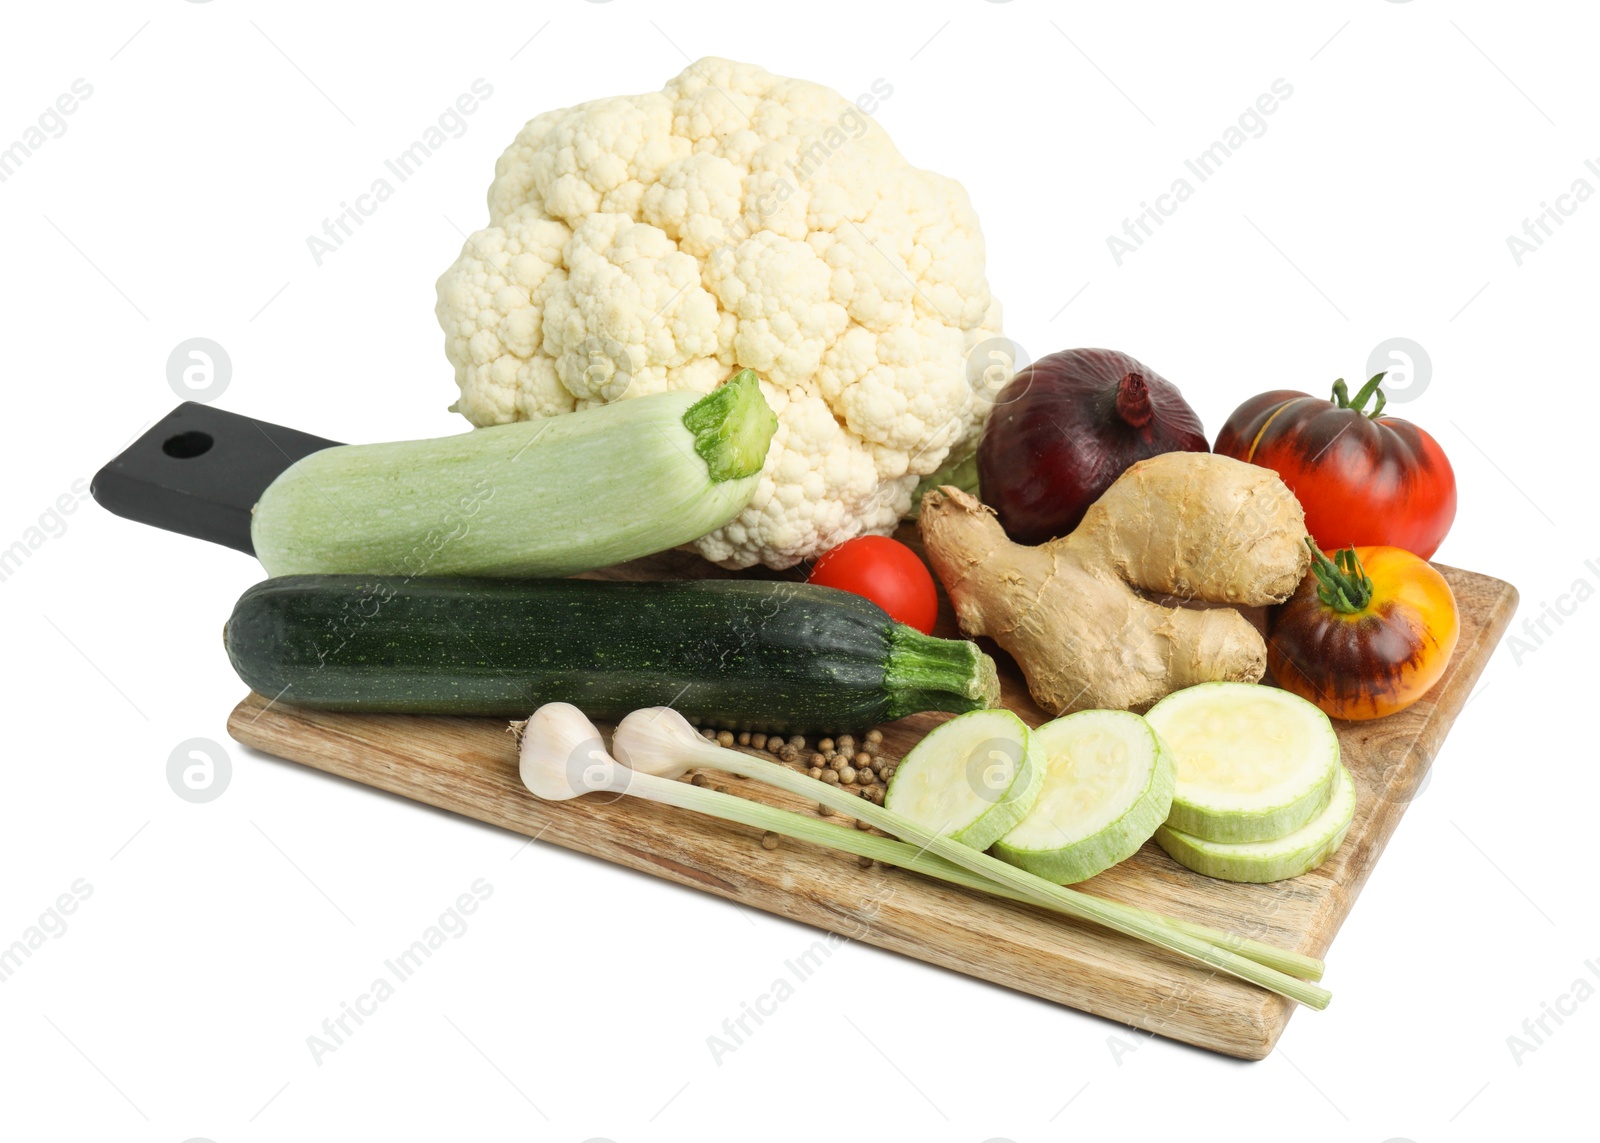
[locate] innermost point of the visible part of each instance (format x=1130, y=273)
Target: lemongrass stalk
x=659, y=736
x=563, y=737
x=904, y=855
x=889, y=851
x=1273, y=956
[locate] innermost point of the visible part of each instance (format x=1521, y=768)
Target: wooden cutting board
x=468, y=766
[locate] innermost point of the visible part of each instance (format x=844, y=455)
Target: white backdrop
x=207, y=941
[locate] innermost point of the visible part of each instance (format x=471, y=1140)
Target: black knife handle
x=199, y=471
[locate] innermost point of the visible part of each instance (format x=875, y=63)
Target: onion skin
x=1362, y=480
x=1373, y=661
x=1066, y=427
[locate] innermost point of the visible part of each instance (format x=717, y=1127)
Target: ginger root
x=1200, y=527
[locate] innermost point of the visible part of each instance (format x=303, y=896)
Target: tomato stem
x=1341, y=396
x=1343, y=585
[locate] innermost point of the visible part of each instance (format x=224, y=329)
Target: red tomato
x=1364, y=480
x=886, y=572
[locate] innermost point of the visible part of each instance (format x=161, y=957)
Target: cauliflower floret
x=734, y=220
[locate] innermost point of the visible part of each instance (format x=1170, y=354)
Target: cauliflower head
x=735, y=220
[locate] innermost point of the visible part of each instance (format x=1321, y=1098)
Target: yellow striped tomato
x=1366, y=633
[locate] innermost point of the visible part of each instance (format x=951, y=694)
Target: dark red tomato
x=886, y=572
x=1363, y=479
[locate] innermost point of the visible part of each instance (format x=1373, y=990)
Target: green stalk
x=962, y=474
x=922, y=666
x=732, y=426
x=676, y=735
x=1342, y=583
x=1341, y=396
x=731, y=807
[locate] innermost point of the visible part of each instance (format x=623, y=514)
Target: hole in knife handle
x=186, y=446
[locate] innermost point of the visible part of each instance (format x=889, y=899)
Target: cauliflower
x=735, y=220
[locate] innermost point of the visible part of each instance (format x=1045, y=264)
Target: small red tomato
x=1363, y=479
x=886, y=572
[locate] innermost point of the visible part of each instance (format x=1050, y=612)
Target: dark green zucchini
x=743, y=654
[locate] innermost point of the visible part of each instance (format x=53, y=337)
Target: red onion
x=1066, y=427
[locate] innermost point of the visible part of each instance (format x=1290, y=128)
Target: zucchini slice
x=1254, y=763
x=1108, y=782
x=1261, y=861
x=971, y=779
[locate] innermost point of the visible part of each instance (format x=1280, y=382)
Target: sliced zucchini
x=1254, y=763
x=971, y=779
x=1108, y=784
x=1261, y=861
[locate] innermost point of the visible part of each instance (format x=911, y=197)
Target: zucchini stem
x=924, y=672
x=732, y=426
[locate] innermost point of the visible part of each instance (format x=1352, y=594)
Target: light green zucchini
x=539, y=498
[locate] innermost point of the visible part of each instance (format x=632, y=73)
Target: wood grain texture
x=468, y=766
